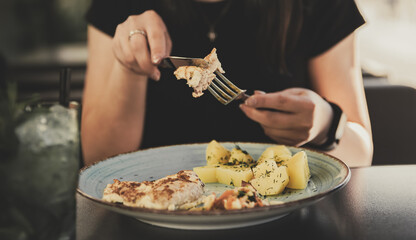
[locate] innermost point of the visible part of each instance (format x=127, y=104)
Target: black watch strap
x=336, y=129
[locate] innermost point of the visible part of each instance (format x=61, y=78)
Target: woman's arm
x=115, y=85
x=113, y=103
x=304, y=116
x=336, y=75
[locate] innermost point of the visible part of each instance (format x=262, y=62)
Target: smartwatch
x=336, y=130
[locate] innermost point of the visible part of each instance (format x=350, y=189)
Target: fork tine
x=217, y=96
x=225, y=92
x=225, y=87
x=229, y=83
x=221, y=92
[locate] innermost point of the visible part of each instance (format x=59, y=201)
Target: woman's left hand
x=293, y=116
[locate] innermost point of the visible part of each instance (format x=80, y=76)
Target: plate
x=328, y=174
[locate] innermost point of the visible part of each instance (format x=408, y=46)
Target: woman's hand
x=140, y=53
x=294, y=116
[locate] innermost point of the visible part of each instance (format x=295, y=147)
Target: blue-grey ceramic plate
x=327, y=175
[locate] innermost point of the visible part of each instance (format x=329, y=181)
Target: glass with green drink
x=40, y=161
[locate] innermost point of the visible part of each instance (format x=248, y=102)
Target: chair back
x=392, y=110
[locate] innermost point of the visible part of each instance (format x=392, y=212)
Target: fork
x=221, y=88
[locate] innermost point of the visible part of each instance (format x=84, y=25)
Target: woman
x=299, y=55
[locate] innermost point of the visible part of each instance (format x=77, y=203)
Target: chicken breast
x=197, y=78
x=213, y=62
x=169, y=192
x=200, y=77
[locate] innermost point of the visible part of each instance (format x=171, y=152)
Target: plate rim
x=304, y=201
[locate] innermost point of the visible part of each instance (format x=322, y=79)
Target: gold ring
x=137, y=31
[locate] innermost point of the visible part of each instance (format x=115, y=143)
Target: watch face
x=341, y=126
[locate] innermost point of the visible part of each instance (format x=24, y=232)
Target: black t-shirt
x=173, y=116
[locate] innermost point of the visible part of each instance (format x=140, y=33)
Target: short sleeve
x=327, y=22
x=105, y=15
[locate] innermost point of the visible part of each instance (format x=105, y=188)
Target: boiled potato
x=216, y=153
x=264, y=168
x=234, y=174
x=270, y=179
x=298, y=170
x=207, y=174
x=239, y=156
x=279, y=153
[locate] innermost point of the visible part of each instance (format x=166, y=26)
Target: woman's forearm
x=336, y=75
x=355, y=147
x=116, y=81
x=113, y=114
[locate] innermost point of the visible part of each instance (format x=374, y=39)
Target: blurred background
x=387, y=43
x=40, y=37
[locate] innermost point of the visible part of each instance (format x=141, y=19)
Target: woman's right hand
x=140, y=53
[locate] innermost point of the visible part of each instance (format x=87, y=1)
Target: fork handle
x=242, y=97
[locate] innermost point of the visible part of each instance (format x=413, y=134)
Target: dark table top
x=379, y=203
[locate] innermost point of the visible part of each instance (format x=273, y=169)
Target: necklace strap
x=212, y=34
